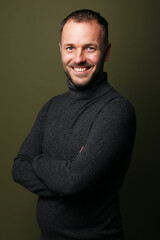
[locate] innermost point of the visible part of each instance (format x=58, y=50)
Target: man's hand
x=61, y=194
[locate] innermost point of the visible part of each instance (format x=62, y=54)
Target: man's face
x=82, y=51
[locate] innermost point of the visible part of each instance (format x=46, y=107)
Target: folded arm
x=22, y=170
x=108, y=147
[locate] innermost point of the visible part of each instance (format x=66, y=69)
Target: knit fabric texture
x=75, y=158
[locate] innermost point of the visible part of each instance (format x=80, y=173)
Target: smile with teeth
x=81, y=69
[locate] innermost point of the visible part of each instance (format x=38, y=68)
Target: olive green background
x=31, y=73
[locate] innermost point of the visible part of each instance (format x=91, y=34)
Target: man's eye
x=91, y=49
x=69, y=48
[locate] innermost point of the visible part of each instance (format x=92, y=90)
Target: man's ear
x=60, y=46
x=108, y=52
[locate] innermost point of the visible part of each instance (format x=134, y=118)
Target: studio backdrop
x=31, y=73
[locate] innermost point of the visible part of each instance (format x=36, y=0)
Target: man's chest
x=67, y=128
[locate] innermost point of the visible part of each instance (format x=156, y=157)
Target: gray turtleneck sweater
x=75, y=158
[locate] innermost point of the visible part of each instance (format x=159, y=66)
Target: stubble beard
x=95, y=75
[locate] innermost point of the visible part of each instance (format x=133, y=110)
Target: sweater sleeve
x=22, y=170
x=107, y=149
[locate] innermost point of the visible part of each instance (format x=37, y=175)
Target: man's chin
x=80, y=82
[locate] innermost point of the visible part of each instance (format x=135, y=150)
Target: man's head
x=86, y=15
x=84, y=46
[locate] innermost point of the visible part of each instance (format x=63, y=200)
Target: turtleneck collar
x=94, y=90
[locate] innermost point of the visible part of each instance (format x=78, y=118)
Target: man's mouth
x=80, y=69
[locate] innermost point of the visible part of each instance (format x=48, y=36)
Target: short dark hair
x=85, y=15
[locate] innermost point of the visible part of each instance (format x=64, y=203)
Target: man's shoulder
x=113, y=95
x=117, y=102
x=58, y=98
x=54, y=101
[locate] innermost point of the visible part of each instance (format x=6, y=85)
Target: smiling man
x=77, y=153
x=83, y=51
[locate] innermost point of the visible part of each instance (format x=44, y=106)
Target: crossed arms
x=108, y=146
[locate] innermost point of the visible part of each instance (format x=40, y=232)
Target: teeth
x=80, y=69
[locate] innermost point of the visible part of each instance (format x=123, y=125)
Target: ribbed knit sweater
x=75, y=158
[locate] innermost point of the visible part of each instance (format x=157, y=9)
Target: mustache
x=87, y=65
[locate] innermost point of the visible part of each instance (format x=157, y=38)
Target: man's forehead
x=73, y=27
x=73, y=22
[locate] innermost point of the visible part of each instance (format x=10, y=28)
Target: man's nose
x=79, y=56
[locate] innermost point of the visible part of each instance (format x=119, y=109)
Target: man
x=78, y=151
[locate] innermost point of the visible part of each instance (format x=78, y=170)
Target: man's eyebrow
x=85, y=44
x=67, y=44
x=91, y=44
